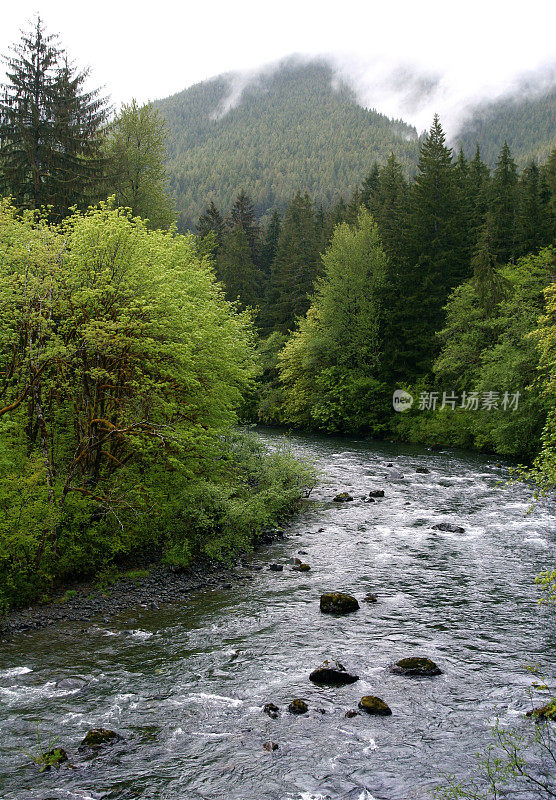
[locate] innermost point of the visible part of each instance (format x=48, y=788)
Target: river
x=185, y=685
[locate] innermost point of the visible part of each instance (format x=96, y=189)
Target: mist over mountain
x=318, y=124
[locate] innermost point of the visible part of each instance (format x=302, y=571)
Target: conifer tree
x=242, y=280
x=503, y=204
x=295, y=266
x=50, y=128
x=270, y=243
x=242, y=215
x=211, y=221
x=487, y=281
x=533, y=215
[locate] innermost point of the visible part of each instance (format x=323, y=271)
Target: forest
x=130, y=352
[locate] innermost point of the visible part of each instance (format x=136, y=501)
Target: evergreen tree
x=242, y=215
x=478, y=177
x=437, y=251
x=270, y=243
x=242, y=280
x=533, y=220
x=503, y=204
x=211, y=221
x=369, y=185
x=487, y=280
x=295, y=266
x=50, y=128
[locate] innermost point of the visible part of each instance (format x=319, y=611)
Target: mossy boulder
x=343, y=497
x=546, y=712
x=417, y=666
x=374, y=705
x=98, y=737
x=301, y=568
x=332, y=673
x=298, y=706
x=338, y=603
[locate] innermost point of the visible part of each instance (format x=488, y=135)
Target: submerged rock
x=71, y=683
x=376, y=493
x=374, y=705
x=422, y=470
x=332, y=673
x=270, y=746
x=301, y=567
x=337, y=603
x=298, y=706
x=395, y=475
x=351, y=713
x=272, y=710
x=343, y=497
x=448, y=526
x=276, y=567
x=419, y=666
x=370, y=598
x=99, y=736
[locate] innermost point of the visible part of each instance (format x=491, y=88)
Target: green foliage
x=330, y=367
x=124, y=371
x=136, y=174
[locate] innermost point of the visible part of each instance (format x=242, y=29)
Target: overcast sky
x=159, y=48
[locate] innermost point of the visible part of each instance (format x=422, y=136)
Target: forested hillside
x=293, y=129
x=524, y=121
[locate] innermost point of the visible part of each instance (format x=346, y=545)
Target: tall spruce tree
x=295, y=266
x=50, y=128
x=533, y=214
x=242, y=279
x=242, y=215
x=504, y=207
x=211, y=221
x=270, y=243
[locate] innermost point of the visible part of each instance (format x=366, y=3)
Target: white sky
x=153, y=50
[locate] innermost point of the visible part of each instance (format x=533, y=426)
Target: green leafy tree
x=331, y=366
x=136, y=152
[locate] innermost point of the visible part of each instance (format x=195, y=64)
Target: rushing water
x=185, y=688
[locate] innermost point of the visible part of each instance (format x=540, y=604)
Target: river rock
x=370, y=598
x=448, y=526
x=343, y=497
x=337, y=603
x=420, y=667
x=272, y=710
x=332, y=673
x=351, y=713
x=422, y=470
x=270, y=746
x=298, y=706
x=369, y=499
x=71, y=683
x=376, y=493
x=276, y=567
x=395, y=475
x=374, y=705
x=97, y=737
x=302, y=552
x=301, y=568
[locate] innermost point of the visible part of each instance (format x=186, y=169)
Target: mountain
x=297, y=127
x=526, y=119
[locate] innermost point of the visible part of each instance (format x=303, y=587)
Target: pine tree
x=27, y=138
x=369, y=186
x=487, y=280
x=533, y=215
x=504, y=207
x=295, y=266
x=50, y=128
x=211, y=221
x=242, y=280
x=270, y=243
x=242, y=215
x=478, y=178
